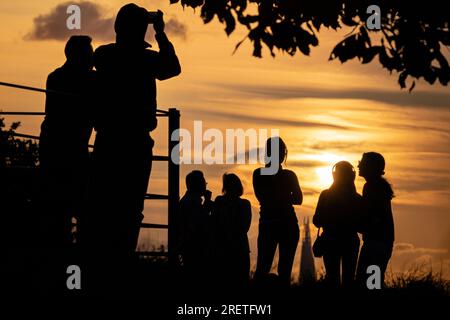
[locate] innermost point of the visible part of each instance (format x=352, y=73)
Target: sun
x=324, y=176
x=323, y=173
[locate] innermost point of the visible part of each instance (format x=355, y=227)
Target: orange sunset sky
x=325, y=112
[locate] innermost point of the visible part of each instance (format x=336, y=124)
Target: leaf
x=348, y=21
x=370, y=53
x=257, y=48
x=402, y=79
x=15, y=126
x=207, y=14
x=230, y=22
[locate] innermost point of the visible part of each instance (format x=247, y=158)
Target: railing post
x=174, y=183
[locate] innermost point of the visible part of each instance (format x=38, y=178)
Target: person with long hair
x=338, y=213
x=233, y=218
x=278, y=224
x=378, y=234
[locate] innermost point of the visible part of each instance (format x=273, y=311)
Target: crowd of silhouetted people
x=104, y=191
x=213, y=234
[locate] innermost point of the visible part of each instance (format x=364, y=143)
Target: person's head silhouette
x=372, y=165
x=343, y=177
x=79, y=53
x=282, y=150
x=232, y=185
x=343, y=173
x=131, y=24
x=195, y=182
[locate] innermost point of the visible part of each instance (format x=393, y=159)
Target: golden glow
x=329, y=158
x=309, y=99
x=324, y=177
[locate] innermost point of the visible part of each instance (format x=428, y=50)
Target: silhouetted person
x=378, y=234
x=233, y=218
x=339, y=212
x=195, y=229
x=65, y=131
x=278, y=225
x=122, y=157
x=63, y=147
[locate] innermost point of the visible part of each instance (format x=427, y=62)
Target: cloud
x=335, y=145
x=399, y=98
x=176, y=28
x=94, y=22
x=273, y=122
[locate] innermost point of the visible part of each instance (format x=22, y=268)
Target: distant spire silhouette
x=307, y=267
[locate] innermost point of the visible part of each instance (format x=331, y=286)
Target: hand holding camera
x=156, y=18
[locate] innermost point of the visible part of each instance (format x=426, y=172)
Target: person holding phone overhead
x=126, y=114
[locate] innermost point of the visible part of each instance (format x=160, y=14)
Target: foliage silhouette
x=411, y=41
x=16, y=152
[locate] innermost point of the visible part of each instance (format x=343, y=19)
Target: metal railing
x=173, y=195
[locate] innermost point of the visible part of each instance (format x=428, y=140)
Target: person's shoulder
x=55, y=76
x=367, y=188
x=324, y=194
x=106, y=47
x=245, y=202
x=55, y=73
x=219, y=199
x=289, y=173
x=103, y=50
x=185, y=199
x=257, y=172
x=372, y=188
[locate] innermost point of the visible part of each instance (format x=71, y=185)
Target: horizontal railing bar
x=18, y=86
x=151, y=196
x=154, y=226
x=29, y=136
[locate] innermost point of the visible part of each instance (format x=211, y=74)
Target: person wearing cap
x=126, y=114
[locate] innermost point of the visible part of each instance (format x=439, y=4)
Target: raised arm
x=168, y=64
